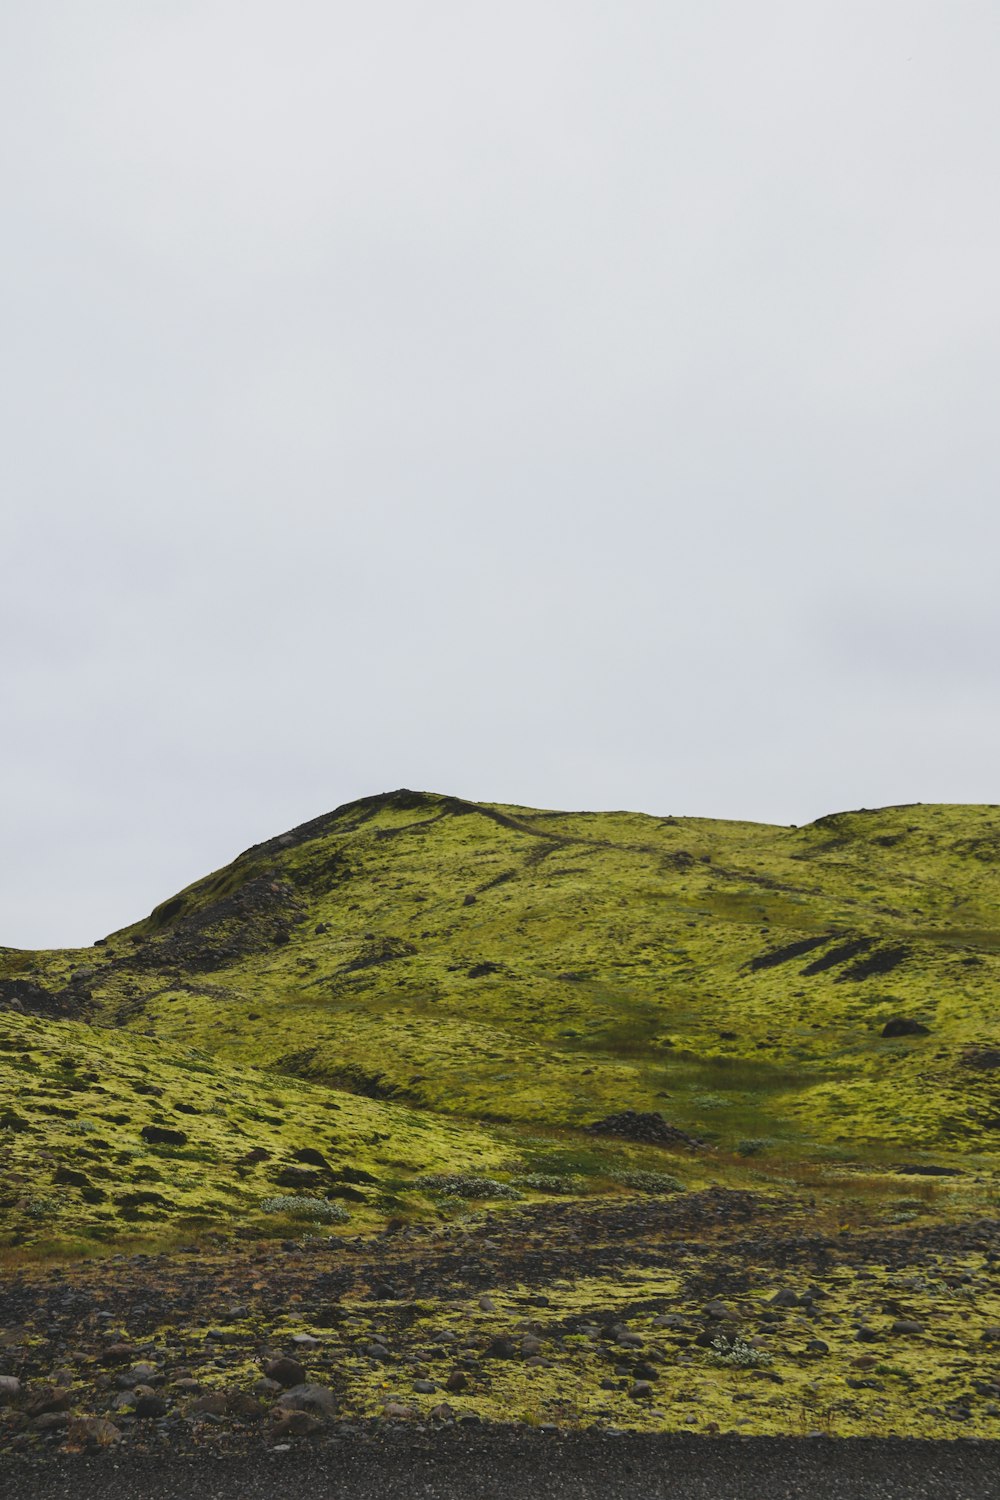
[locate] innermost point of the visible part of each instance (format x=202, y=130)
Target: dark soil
x=514, y=1465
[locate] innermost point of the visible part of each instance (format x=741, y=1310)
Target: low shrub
x=649, y=1182
x=319, y=1210
x=460, y=1186
x=41, y=1207
x=548, y=1182
x=754, y=1145
x=738, y=1354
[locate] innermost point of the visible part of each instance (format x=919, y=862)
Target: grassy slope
x=416, y=984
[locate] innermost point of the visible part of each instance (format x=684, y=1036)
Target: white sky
x=584, y=403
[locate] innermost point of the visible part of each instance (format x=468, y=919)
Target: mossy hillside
x=106, y=1134
x=547, y=967
x=426, y=963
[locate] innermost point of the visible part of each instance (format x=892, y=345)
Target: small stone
x=211, y=1404
x=117, y=1354
x=244, y=1406
x=721, y=1311
x=317, y=1400
x=294, y=1424
x=49, y=1421
x=47, y=1399
x=907, y=1325
x=785, y=1298
x=10, y=1388
x=904, y=1026
x=457, y=1381
x=424, y=1387
x=866, y=1335
x=642, y=1390
x=148, y=1403
x=89, y=1434
x=396, y=1409
x=711, y=1337
x=501, y=1347
x=138, y=1375
x=817, y=1346
x=287, y=1372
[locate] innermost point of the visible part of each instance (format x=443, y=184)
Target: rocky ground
x=708, y=1313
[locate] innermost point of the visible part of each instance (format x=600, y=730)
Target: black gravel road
x=534, y=1466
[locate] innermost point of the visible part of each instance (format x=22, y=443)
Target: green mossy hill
x=476, y=983
x=109, y=1133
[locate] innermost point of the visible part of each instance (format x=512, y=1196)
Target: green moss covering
x=417, y=985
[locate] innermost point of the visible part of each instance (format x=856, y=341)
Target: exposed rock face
x=25, y=997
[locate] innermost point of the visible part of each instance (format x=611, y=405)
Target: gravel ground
x=536, y=1466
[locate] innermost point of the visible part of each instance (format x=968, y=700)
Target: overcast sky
x=582, y=403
